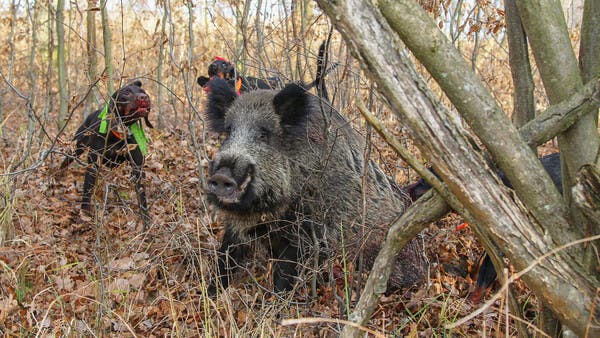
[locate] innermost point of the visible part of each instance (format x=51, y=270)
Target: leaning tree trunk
x=493, y=213
x=555, y=118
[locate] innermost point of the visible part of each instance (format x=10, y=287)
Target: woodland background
x=64, y=275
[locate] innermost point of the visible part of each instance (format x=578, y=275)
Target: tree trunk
x=49, y=65
x=106, y=37
x=587, y=192
x=159, y=68
x=551, y=46
x=63, y=100
x=589, y=48
x=518, y=55
x=242, y=17
x=476, y=105
x=92, y=66
x=10, y=40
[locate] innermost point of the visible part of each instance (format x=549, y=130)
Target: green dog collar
x=136, y=129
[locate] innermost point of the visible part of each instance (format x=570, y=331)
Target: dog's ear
x=148, y=124
x=293, y=105
x=137, y=83
x=220, y=97
x=202, y=80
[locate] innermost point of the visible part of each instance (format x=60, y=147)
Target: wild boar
x=289, y=174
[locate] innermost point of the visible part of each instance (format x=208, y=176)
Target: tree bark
x=159, y=68
x=106, y=38
x=551, y=46
x=92, y=66
x=496, y=215
x=63, y=100
x=476, y=105
x=589, y=48
x=422, y=212
x=559, y=117
x=10, y=41
x=520, y=68
x=242, y=11
x=587, y=192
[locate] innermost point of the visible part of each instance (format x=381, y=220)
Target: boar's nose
x=222, y=183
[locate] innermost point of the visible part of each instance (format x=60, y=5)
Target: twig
x=313, y=320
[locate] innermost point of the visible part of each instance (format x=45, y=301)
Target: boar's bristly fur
x=290, y=173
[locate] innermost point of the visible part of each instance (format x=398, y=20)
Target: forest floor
x=66, y=274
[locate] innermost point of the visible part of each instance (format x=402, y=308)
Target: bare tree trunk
x=520, y=68
x=32, y=13
x=7, y=183
x=589, y=47
x=11, y=66
x=523, y=100
x=260, y=40
x=50, y=64
x=587, y=192
x=63, y=100
x=476, y=105
x=92, y=65
x=106, y=36
x=242, y=17
x=296, y=47
x=199, y=147
x=159, y=67
x=288, y=42
x=169, y=15
x=551, y=46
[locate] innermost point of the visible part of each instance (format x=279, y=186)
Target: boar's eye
x=264, y=134
x=227, y=131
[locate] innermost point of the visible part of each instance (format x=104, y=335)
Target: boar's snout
x=229, y=183
x=222, y=183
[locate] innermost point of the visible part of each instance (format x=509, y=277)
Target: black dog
x=113, y=134
x=224, y=69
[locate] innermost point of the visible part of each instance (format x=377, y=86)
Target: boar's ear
x=292, y=104
x=220, y=97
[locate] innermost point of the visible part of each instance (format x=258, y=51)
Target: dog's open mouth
x=142, y=112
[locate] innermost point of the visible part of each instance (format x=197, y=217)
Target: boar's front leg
x=230, y=255
x=285, y=266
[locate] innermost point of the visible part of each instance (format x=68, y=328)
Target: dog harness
x=136, y=129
